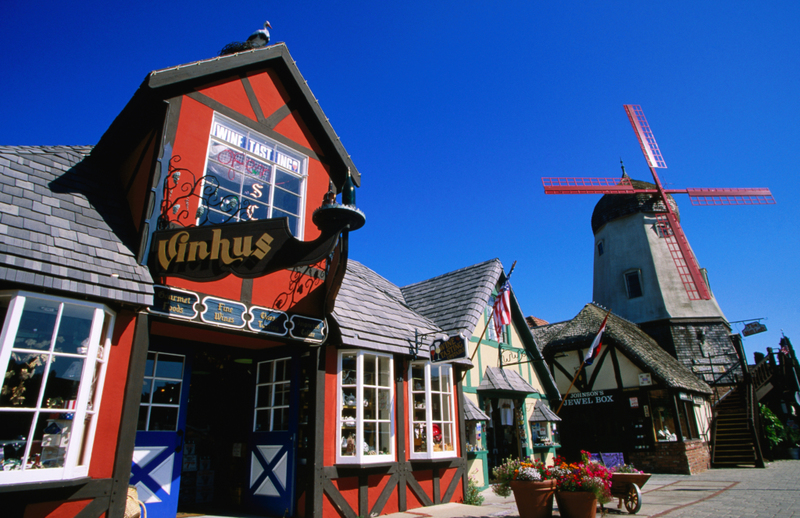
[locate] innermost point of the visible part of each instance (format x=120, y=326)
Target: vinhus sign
x=247, y=249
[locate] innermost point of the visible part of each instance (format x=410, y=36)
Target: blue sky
x=453, y=111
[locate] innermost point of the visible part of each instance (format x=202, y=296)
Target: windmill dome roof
x=614, y=206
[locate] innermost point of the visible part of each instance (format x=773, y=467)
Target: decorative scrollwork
x=298, y=288
x=181, y=187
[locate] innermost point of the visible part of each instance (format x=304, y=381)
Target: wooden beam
x=387, y=492
x=315, y=492
x=451, y=489
x=338, y=500
x=130, y=415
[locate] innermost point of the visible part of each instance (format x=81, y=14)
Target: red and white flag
x=502, y=309
x=594, y=350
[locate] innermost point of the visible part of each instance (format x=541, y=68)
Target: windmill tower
x=644, y=268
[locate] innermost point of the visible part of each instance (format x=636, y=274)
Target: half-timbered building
x=634, y=398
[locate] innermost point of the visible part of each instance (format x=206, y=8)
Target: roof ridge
x=454, y=272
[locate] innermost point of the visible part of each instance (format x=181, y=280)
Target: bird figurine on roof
x=258, y=39
x=261, y=37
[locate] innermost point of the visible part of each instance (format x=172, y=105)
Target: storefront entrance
x=216, y=431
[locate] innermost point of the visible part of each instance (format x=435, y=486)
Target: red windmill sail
x=667, y=222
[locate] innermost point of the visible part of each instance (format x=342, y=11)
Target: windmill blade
x=754, y=196
x=647, y=140
x=670, y=230
x=587, y=185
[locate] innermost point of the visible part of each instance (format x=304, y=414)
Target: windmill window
x=54, y=354
x=633, y=283
x=600, y=248
x=250, y=177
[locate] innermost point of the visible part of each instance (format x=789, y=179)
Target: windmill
x=668, y=226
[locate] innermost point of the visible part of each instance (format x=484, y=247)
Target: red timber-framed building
x=167, y=300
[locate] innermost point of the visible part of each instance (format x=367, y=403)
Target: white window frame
x=429, y=452
x=270, y=406
x=87, y=405
x=269, y=194
x=360, y=456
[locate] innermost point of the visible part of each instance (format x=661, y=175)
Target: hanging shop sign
x=753, y=328
x=246, y=249
x=588, y=398
x=217, y=312
x=451, y=349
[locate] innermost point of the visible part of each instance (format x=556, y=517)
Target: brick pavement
x=773, y=492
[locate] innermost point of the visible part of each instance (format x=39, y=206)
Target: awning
x=496, y=378
x=472, y=412
x=542, y=412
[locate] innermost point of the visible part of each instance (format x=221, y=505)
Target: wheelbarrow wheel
x=633, y=501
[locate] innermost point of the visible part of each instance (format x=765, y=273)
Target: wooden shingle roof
x=61, y=228
x=370, y=313
x=495, y=378
x=456, y=300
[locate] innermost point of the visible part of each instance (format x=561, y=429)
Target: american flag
x=502, y=309
x=784, y=343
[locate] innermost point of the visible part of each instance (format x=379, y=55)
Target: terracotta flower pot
x=576, y=504
x=534, y=499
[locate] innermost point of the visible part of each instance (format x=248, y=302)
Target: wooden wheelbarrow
x=627, y=487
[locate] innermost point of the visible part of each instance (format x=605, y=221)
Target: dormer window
x=250, y=176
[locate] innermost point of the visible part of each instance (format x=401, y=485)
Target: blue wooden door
x=158, y=451
x=272, y=444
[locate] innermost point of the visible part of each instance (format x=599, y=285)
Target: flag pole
x=598, y=337
x=578, y=373
x=486, y=326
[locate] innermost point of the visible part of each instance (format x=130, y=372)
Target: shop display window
x=366, y=403
x=432, y=410
x=250, y=177
x=664, y=420
x=687, y=419
x=54, y=353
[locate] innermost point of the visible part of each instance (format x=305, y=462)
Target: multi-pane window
x=432, y=410
x=161, y=392
x=250, y=177
x=53, y=353
x=366, y=402
x=491, y=332
x=272, y=396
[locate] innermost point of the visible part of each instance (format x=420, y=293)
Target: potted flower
x=580, y=487
x=531, y=483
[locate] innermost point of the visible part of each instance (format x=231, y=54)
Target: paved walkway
x=773, y=492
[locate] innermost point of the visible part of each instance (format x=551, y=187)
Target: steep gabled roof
x=456, y=300
x=637, y=345
x=61, y=228
x=370, y=313
x=146, y=106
